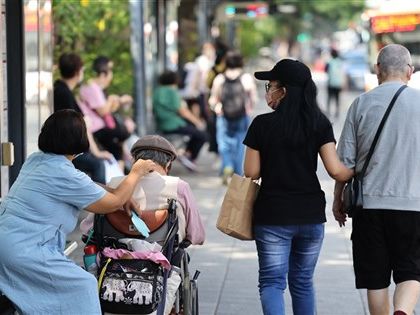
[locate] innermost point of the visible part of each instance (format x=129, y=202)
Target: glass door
x=38, y=68
x=4, y=171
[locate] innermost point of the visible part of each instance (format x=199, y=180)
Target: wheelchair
x=109, y=229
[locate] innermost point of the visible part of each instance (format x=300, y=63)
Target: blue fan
x=139, y=224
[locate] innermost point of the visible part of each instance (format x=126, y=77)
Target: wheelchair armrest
x=184, y=244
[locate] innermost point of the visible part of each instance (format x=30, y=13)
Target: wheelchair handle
x=172, y=205
x=196, y=274
x=184, y=244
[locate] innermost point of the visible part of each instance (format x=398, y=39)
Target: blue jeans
x=288, y=251
x=230, y=134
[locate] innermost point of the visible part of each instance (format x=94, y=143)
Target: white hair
x=393, y=60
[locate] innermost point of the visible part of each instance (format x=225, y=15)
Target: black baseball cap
x=287, y=71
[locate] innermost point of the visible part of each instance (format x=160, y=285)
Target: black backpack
x=233, y=98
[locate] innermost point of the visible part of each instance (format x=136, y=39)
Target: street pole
x=202, y=13
x=137, y=53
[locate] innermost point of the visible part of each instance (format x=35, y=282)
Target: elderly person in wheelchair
x=153, y=193
x=157, y=187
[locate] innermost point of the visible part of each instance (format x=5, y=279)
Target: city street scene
x=124, y=122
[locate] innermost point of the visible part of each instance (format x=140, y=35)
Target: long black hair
x=298, y=113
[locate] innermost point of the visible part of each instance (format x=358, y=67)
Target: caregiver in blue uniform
x=41, y=208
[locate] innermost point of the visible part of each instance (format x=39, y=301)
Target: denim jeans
x=230, y=134
x=288, y=251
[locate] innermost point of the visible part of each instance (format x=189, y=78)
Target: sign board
x=249, y=10
x=395, y=23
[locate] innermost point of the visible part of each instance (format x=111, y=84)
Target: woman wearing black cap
x=289, y=213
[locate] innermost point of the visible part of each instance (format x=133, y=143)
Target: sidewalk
x=229, y=267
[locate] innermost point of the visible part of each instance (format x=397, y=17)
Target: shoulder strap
x=378, y=132
x=239, y=77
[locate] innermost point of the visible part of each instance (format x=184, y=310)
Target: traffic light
x=246, y=10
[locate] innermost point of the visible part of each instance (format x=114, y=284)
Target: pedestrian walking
x=289, y=212
x=386, y=232
x=219, y=67
x=336, y=79
x=232, y=98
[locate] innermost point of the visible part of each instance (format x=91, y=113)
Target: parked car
x=355, y=68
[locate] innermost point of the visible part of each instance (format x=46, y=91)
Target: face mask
x=270, y=102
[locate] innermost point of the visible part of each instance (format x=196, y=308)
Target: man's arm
x=337, y=207
x=347, y=151
x=185, y=113
x=195, y=232
x=214, y=100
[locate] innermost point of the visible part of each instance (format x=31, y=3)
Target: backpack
x=233, y=98
x=336, y=73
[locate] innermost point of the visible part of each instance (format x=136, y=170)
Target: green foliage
x=321, y=15
x=312, y=18
x=92, y=28
x=255, y=34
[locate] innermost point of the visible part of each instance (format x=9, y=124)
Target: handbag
x=235, y=216
x=353, y=190
x=130, y=286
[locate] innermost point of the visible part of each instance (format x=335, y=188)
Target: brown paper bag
x=235, y=217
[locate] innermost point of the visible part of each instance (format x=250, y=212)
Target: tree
x=318, y=17
x=93, y=28
x=315, y=18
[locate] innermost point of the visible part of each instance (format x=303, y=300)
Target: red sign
x=395, y=23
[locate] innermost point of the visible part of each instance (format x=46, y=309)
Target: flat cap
x=154, y=142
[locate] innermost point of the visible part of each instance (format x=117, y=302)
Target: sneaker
x=190, y=165
x=227, y=174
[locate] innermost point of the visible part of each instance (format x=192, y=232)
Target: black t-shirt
x=64, y=98
x=290, y=191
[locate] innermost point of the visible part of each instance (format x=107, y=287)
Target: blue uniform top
x=41, y=208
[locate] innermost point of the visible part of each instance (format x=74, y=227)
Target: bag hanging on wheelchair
x=130, y=286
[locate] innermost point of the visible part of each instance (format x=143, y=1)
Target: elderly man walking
x=386, y=233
